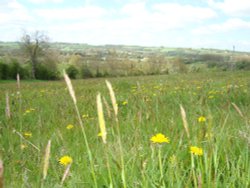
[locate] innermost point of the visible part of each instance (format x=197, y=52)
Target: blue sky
x=171, y=23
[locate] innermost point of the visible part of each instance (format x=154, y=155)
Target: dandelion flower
x=70, y=126
x=210, y=96
x=196, y=150
x=202, y=119
x=160, y=138
x=99, y=134
x=23, y=146
x=65, y=160
x=124, y=103
x=85, y=116
x=27, y=134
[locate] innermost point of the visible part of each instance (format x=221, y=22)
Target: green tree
x=34, y=46
x=85, y=72
x=72, y=71
x=4, y=70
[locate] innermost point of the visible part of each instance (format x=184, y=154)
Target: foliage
x=72, y=72
x=45, y=73
x=34, y=46
x=243, y=64
x=4, y=71
x=16, y=68
x=85, y=72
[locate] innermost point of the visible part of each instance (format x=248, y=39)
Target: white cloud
x=134, y=23
x=229, y=25
x=132, y=19
x=232, y=7
x=12, y=12
x=45, y=1
x=164, y=16
x=186, y=13
x=86, y=12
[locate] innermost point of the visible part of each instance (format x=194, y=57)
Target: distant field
x=147, y=105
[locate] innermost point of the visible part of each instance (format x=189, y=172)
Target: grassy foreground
x=217, y=107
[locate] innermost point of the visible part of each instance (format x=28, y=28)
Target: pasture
x=217, y=108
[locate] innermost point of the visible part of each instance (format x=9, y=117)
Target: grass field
x=147, y=106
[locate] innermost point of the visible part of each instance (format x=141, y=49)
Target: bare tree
x=34, y=46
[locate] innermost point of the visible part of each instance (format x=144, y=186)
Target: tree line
x=43, y=63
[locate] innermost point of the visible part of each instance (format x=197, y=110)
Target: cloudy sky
x=171, y=23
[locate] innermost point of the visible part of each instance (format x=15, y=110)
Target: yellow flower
x=65, y=160
x=201, y=119
x=124, y=103
x=23, y=146
x=210, y=96
x=27, y=111
x=27, y=134
x=160, y=138
x=70, y=126
x=196, y=150
x=85, y=116
x=99, y=134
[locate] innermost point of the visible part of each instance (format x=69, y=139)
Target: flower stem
x=161, y=167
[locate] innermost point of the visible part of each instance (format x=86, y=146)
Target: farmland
x=217, y=108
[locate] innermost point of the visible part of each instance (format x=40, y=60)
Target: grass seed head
x=101, y=118
x=112, y=96
x=184, y=120
x=70, y=86
x=46, y=160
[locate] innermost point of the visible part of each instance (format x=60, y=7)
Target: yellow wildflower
x=70, y=126
x=99, y=134
x=23, y=146
x=65, y=160
x=210, y=96
x=124, y=103
x=27, y=134
x=196, y=150
x=26, y=112
x=202, y=119
x=160, y=138
x=85, y=116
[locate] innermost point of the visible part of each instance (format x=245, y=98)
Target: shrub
x=44, y=73
x=243, y=65
x=85, y=72
x=72, y=71
x=16, y=68
x=4, y=71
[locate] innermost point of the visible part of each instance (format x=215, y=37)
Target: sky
x=219, y=24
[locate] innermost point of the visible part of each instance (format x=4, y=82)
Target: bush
x=16, y=68
x=44, y=73
x=72, y=71
x=4, y=71
x=85, y=72
x=243, y=65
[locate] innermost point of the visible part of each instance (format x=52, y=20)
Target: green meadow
x=217, y=123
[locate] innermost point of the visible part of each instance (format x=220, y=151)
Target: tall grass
x=145, y=106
